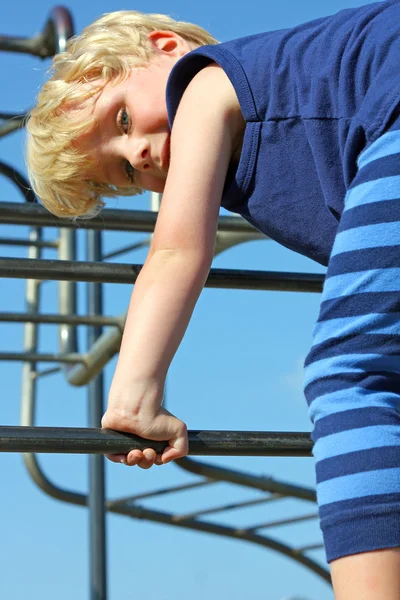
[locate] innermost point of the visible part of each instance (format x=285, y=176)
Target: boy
x=299, y=132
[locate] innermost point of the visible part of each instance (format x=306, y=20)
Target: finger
x=158, y=460
x=171, y=453
x=133, y=458
x=149, y=456
x=116, y=458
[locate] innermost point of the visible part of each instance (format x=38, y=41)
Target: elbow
x=188, y=258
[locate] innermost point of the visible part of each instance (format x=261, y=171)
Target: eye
x=130, y=172
x=124, y=121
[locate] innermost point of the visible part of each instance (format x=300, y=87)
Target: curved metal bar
x=52, y=40
x=12, y=123
x=266, y=484
x=242, y=534
x=57, y=29
x=61, y=26
x=29, y=385
x=19, y=180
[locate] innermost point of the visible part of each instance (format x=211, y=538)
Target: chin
x=157, y=187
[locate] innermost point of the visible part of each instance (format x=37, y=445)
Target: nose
x=138, y=154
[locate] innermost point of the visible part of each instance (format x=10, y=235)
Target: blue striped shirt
x=352, y=374
x=319, y=172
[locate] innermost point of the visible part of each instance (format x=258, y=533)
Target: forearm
x=162, y=303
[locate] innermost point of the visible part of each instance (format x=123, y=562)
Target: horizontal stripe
x=362, y=461
x=362, y=260
x=336, y=384
x=381, y=168
x=368, y=343
x=354, y=440
x=373, y=191
x=340, y=400
x=386, y=144
x=372, y=505
x=363, y=416
x=371, y=323
x=373, y=280
x=359, y=485
x=351, y=363
x=367, y=214
x=360, y=304
x=369, y=236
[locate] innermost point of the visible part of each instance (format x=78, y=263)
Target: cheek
x=153, y=111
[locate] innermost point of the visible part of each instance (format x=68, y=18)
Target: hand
x=158, y=426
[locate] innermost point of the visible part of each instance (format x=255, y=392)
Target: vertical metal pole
x=98, y=578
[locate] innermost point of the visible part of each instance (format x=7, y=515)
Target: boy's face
x=130, y=141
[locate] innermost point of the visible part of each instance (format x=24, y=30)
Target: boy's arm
x=204, y=133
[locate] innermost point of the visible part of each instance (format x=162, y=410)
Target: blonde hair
x=105, y=51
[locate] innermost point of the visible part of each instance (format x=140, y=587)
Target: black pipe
x=201, y=443
x=66, y=270
x=108, y=220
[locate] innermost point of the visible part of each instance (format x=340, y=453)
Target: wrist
x=136, y=395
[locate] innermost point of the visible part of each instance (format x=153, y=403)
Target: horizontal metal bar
x=201, y=443
x=20, y=242
x=65, y=270
x=109, y=219
x=36, y=357
x=25, y=45
x=8, y=317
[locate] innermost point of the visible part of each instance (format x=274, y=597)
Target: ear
x=169, y=42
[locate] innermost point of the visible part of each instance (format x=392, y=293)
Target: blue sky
x=239, y=367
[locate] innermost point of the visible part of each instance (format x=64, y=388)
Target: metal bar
x=108, y=220
x=19, y=180
x=201, y=443
x=161, y=492
x=46, y=372
x=35, y=357
x=126, y=249
x=67, y=298
x=230, y=532
x=281, y=522
x=57, y=319
x=257, y=482
x=24, y=45
x=317, y=546
x=102, y=350
x=12, y=124
x=17, y=242
x=97, y=508
x=227, y=507
x=49, y=41
x=63, y=270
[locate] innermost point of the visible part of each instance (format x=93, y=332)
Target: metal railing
x=85, y=368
